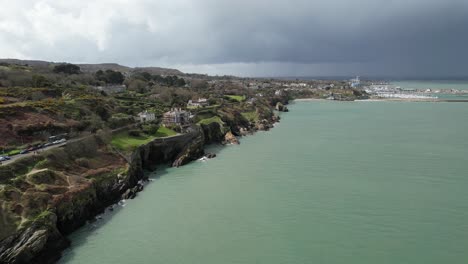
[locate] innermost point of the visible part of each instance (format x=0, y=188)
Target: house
x=202, y=102
x=176, y=116
x=146, y=116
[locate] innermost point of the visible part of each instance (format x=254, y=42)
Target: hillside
x=91, y=68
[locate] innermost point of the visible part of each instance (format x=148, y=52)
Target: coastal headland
x=77, y=139
x=81, y=147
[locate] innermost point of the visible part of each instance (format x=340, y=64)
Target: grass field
x=251, y=116
x=123, y=141
x=210, y=120
x=165, y=132
x=238, y=98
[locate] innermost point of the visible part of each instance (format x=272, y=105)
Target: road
x=19, y=156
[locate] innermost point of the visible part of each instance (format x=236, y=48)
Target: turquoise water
x=437, y=85
x=334, y=182
x=448, y=84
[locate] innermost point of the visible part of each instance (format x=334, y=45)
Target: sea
x=333, y=182
x=444, y=86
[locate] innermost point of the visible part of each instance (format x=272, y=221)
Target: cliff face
x=41, y=240
x=177, y=150
x=213, y=132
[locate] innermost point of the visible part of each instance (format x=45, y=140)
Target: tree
x=110, y=76
x=114, y=77
x=67, y=68
x=146, y=76
x=180, y=82
x=37, y=96
x=39, y=81
x=102, y=112
x=137, y=85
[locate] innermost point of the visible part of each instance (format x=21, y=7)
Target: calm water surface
x=358, y=182
x=441, y=84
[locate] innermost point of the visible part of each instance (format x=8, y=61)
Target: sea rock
x=34, y=244
x=243, y=131
x=210, y=155
x=281, y=108
x=229, y=138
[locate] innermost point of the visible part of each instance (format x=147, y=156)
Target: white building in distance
x=146, y=116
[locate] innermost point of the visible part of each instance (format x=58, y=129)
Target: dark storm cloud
x=258, y=37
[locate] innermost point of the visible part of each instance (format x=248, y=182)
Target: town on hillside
x=78, y=138
x=44, y=104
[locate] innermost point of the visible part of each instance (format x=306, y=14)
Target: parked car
x=4, y=158
x=24, y=151
x=63, y=140
x=48, y=144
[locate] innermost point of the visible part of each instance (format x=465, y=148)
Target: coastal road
x=20, y=156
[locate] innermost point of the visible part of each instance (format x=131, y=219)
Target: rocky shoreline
x=45, y=238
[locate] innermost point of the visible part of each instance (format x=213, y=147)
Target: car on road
x=59, y=141
x=48, y=144
x=4, y=158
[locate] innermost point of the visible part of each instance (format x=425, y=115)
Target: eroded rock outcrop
x=229, y=138
x=281, y=108
x=37, y=243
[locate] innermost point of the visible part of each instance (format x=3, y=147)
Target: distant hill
x=158, y=70
x=99, y=66
x=36, y=63
x=103, y=67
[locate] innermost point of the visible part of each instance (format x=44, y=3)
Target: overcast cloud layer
x=251, y=38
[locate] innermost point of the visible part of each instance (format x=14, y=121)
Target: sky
x=405, y=38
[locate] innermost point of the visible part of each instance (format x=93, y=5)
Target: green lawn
x=238, y=98
x=165, y=132
x=210, y=120
x=123, y=141
x=251, y=116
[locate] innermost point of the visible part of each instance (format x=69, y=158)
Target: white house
x=197, y=103
x=146, y=116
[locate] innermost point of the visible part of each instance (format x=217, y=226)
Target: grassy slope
x=251, y=116
x=123, y=141
x=210, y=120
x=239, y=98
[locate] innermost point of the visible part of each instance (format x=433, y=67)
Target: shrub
x=134, y=133
x=104, y=136
x=86, y=147
x=83, y=162
x=67, y=68
x=150, y=129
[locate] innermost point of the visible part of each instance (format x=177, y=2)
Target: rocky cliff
x=41, y=238
x=71, y=195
